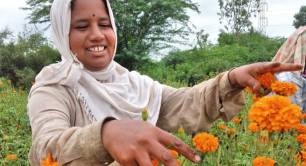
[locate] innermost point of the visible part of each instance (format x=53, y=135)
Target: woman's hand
x=246, y=75
x=133, y=142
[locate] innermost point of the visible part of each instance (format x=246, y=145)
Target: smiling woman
x=92, y=38
x=87, y=109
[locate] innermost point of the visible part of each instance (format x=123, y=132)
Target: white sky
x=280, y=16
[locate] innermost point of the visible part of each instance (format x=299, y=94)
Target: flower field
x=266, y=132
x=15, y=132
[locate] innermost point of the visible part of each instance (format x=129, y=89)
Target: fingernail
x=254, y=86
x=197, y=158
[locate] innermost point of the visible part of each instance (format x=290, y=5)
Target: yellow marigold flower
x=231, y=131
x=283, y=88
x=263, y=161
x=49, y=161
x=275, y=113
x=11, y=157
x=205, y=142
x=253, y=127
x=301, y=128
x=181, y=130
x=266, y=79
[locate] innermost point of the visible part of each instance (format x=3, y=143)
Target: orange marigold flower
x=222, y=126
x=275, y=113
x=174, y=153
x=49, y=161
x=304, y=116
x=301, y=128
x=155, y=162
x=266, y=79
x=236, y=120
x=263, y=161
x=303, y=155
x=205, y=142
x=253, y=127
x=283, y=88
x=301, y=138
x=11, y=157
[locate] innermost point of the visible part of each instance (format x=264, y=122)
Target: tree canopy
x=300, y=17
x=237, y=14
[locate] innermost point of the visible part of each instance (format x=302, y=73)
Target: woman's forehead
x=81, y=5
x=88, y=8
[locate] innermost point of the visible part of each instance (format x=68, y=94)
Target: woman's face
x=91, y=37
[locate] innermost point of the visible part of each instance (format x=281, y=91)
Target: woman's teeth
x=97, y=48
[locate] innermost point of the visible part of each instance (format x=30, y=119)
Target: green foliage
x=23, y=59
x=143, y=25
x=237, y=14
x=300, y=17
x=39, y=10
x=239, y=146
x=193, y=66
x=15, y=131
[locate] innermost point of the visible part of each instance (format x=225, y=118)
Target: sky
x=280, y=17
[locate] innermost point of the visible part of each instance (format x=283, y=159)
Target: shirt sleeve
x=52, y=114
x=196, y=108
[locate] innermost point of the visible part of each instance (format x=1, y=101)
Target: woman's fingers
x=173, y=142
x=276, y=67
x=163, y=154
x=287, y=67
x=143, y=158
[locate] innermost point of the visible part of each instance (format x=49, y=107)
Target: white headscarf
x=112, y=92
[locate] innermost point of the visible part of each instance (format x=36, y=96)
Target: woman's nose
x=96, y=33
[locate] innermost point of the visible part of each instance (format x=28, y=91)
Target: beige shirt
x=61, y=127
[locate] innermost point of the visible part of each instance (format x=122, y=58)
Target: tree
x=143, y=26
x=23, y=58
x=300, y=17
x=237, y=14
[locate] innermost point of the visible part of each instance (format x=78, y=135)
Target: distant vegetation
x=21, y=58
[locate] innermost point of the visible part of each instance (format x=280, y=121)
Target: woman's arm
x=196, y=108
x=53, y=113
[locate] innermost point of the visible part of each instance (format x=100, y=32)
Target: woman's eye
x=105, y=25
x=81, y=27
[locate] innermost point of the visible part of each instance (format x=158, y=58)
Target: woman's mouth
x=96, y=50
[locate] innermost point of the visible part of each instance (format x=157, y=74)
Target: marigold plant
x=205, y=142
x=275, y=113
x=263, y=161
x=283, y=88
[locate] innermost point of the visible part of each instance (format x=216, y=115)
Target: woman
x=294, y=51
x=86, y=109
